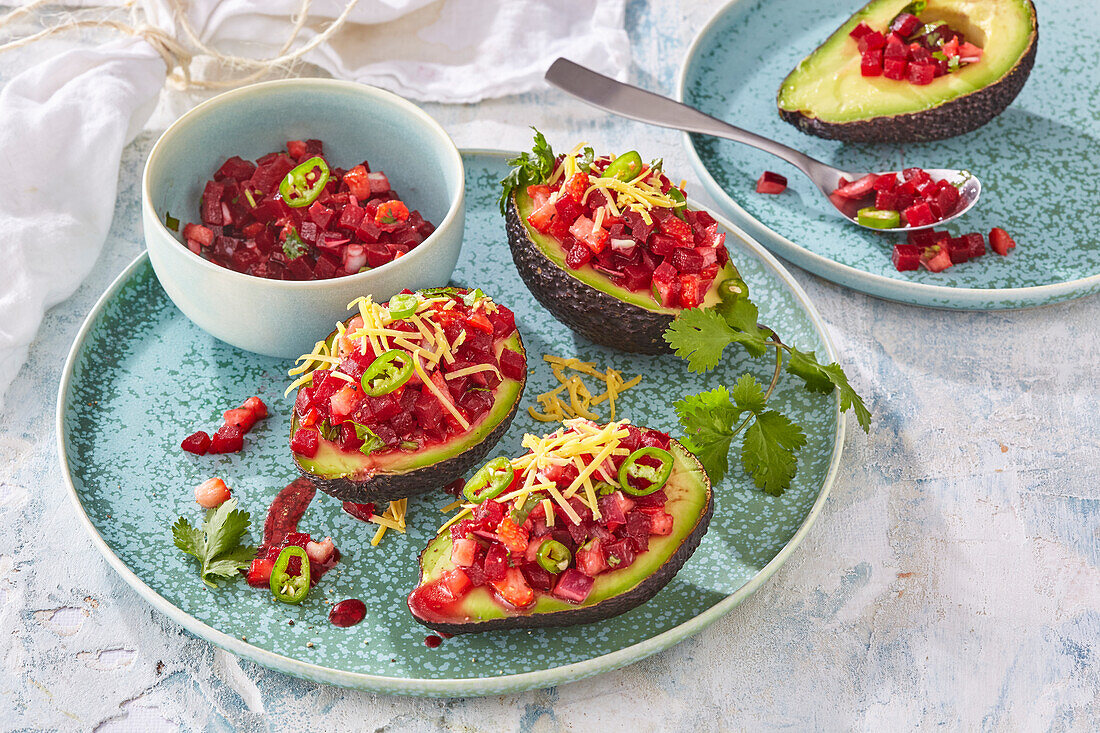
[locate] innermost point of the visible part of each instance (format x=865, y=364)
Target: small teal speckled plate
x=1036, y=160
x=141, y=376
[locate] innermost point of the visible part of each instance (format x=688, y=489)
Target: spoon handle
x=638, y=104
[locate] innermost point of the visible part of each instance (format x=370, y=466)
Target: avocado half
x=827, y=96
x=584, y=299
x=690, y=502
x=400, y=474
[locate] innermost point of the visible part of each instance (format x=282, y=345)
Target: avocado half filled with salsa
x=590, y=523
x=609, y=245
x=404, y=397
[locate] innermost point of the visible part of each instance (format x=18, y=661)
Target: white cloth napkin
x=65, y=121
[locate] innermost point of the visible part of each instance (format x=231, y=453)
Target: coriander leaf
x=224, y=527
x=226, y=567
x=849, y=400
x=528, y=169
x=824, y=379
x=699, y=336
x=188, y=538
x=740, y=314
x=585, y=162
x=708, y=419
x=293, y=246
x=371, y=442
x=767, y=452
x=748, y=395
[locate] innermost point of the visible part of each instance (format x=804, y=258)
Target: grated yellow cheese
x=581, y=400
x=466, y=371
x=435, y=390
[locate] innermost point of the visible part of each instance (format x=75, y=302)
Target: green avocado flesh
x=331, y=462
x=552, y=248
x=690, y=504
x=827, y=85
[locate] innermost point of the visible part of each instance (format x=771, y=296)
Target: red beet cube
x=926, y=237
x=687, y=260
x=305, y=442
x=513, y=365
x=242, y=417
x=919, y=215
x=894, y=68
x=871, y=63
x=921, y=73
x=860, y=31
x=977, y=244
x=227, y=439
x=947, y=197
x=896, y=49
x=197, y=443
x=919, y=53
x=886, y=201
x=771, y=182
x=236, y=168
x=906, y=257
x=959, y=249
x=905, y=24
x=871, y=42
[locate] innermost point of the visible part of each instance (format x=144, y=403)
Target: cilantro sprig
x=712, y=420
x=217, y=543
x=529, y=168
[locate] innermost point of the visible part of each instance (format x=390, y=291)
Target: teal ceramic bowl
x=356, y=123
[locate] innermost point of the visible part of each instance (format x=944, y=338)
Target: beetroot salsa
x=885, y=202
x=912, y=50
x=406, y=375
x=291, y=216
x=626, y=221
x=520, y=539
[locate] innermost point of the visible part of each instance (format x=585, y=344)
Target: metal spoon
x=638, y=104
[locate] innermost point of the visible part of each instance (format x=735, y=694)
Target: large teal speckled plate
x=1036, y=160
x=141, y=376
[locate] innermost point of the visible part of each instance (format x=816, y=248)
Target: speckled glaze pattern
x=141, y=377
x=1025, y=157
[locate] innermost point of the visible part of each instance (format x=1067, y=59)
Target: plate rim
x=448, y=687
x=869, y=283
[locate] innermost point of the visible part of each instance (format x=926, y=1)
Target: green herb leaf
x=748, y=395
x=585, y=162
x=473, y=297
x=741, y=315
x=329, y=432
x=529, y=169
x=708, y=419
x=171, y=222
x=371, y=442
x=768, y=451
x=294, y=246
x=656, y=165
x=217, y=545
x=915, y=8
x=824, y=379
x=699, y=336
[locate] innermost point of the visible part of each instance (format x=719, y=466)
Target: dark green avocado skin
x=950, y=119
x=594, y=314
x=385, y=487
x=608, y=608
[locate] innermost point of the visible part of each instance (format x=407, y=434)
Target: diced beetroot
x=197, y=443
x=1000, y=241
x=227, y=439
x=894, y=68
x=350, y=217
x=236, y=168
x=860, y=31
x=662, y=245
x=621, y=554
x=926, y=237
x=496, y=560
x=936, y=258
x=958, y=248
x=895, y=49
x=921, y=73
x=379, y=182
x=573, y=586
x=870, y=63
x=638, y=528
x=362, y=512
x=919, y=54
x=639, y=230
x=660, y=521
x=538, y=577
x=977, y=244
x=772, y=182
x=687, y=260
x=578, y=256
x=918, y=215
x=905, y=24
x=212, y=203
x=872, y=41
x=513, y=365
x=305, y=442
x=886, y=182
x=886, y=201
x=636, y=277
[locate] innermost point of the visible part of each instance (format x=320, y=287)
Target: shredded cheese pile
x=589, y=447
x=580, y=398
x=393, y=518
x=641, y=194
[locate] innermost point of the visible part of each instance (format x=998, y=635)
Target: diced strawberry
x=969, y=53
x=678, y=229
x=660, y=522
x=692, y=291
x=212, y=493
x=227, y=439
x=886, y=182
x=514, y=537
x=456, y=582
x=259, y=572
x=977, y=244
x=513, y=588
x=936, y=258
x=357, y=182
x=198, y=233
x=391, y=215
x=256, y=406
x=241, y=417
x=343, y=404
x=478, y=320
x=951, y=47
x=772, y=182
x=464, y=552
x=1000, y=242
x=197, y=443
x=858, y=188
x=541, y=217
x=575, y=187
x=296, y=148
x=379, y=182
x=591, y=559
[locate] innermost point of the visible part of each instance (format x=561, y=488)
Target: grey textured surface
x=952, y=578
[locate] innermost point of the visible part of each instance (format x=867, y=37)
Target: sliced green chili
x=488, y=483
x=677, y=196
x=386, y=373
x=656, y=476
x=553, y=556
x=402, y=305
x=519, y=516
x=286, y=587
x=878, y=218
x=733, y=288
x=626, y=167
x=303, y=184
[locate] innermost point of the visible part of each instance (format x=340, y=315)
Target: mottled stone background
x=952, y=578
